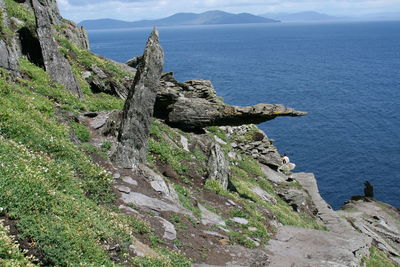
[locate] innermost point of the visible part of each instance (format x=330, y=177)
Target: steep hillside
x=105, y=164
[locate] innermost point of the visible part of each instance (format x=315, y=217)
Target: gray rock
x=264, y=195
x=305, y=247
x=294, y=197
x=58, y=67
x=185, y=143
x=212, y=233
x=150, y=203
x=113, y=123
x=76, y=35
x=169, y=229
x=210, y=218
x=158, y=183
x=139, y=107
x=100, y=120
x=377, y=220
x=129, y=180
x=272, y=175
x=134, y=62
x=271, y=158
x=240, y=220
x=219, y=140
x=218, y=166
x=142, y=250
x=123, y=189
x=9, y=54
x=199, y=113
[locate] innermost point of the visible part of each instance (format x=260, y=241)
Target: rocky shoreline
x=207, y=182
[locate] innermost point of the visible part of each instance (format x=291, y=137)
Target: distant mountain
x=300, y=16
x=206, y=18
x=381, y=16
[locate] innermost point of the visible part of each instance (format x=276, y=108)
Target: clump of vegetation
x=80, y=131
x=378, y=258
x=215, y=130
x=170, y=154
x=169, y=259
x=184, y=197
x=22, y=13
x=84, y=60
x=106, y=145
x=10, y=254
x=215, y=186
x=40, y=82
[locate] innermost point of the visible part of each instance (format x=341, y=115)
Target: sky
x=133, y=10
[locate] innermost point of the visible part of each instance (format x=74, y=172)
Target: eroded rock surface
x=218, y=166
x=139, y=107
x=8, y=53
x=194, y=104
x=377, y=220
x=55, y=63
x=300, y=247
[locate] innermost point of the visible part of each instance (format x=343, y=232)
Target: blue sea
x=346, y=75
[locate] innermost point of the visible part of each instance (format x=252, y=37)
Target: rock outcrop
x=377, y=220
x=139, y=106
x=55, y=63
x=218, y=166
x=194, y=104
x=76, y=35
x=8, y=53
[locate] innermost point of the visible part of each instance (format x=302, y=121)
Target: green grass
x=84, y=60
x=51, y=188
x=184, y=197
x=173, y=156
x=10, y=254
x=169, y=259
x=215, y=130
x=106, y=145
x=80, y=131
x=22, y=13
x=51, y=208
x=5, y=33
x=39, y=82
x=378, y=258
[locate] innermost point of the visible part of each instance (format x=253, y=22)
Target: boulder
x=210, y=218
x=296, y=198
x=139, y=107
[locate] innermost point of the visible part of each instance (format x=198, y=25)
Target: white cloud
x=132, y=10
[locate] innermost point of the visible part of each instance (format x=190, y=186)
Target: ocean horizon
x=345, y=74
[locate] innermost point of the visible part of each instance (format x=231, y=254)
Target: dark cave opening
x=30, y=46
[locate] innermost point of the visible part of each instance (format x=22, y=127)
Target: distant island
x=206, y=18
x=313, y=16
x=301, y=16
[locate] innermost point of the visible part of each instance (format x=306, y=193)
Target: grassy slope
x=58, y=197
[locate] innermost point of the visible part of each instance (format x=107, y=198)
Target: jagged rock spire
x=139, y=106
x=55, y=63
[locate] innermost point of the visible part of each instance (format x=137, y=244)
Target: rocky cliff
x=105, y=164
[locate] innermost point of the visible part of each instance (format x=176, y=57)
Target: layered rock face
x=55, y=63
x=194, y=104
x=8, y=52
x=139, y=106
